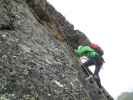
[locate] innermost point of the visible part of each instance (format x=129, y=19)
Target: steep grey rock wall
x=36, y=55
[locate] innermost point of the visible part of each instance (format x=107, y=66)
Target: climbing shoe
x=90, y=76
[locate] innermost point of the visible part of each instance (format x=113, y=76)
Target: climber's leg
x=98, y=65
x=85, y=66
x=86, y=70
x=96, y=73
x=97, y=79
x=97, y=69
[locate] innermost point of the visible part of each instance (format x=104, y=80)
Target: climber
x=94, y=58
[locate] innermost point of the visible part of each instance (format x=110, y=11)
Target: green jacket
x=86, y=51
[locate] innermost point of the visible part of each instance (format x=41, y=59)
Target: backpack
x=97, y=48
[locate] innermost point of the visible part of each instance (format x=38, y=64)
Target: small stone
x=17, y=16
x=16, y=40
x=14, y=56
x=58, y=83
x=4, y=35
x=4, y=56
x=49, y=94
x=26, y=72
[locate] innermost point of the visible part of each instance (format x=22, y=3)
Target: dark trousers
x=93, y=62
x=98, y=64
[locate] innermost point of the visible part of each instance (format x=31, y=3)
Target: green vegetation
x=126, y=96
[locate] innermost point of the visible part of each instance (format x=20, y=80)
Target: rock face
x=37, y=61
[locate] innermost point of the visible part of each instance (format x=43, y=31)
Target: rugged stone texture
x=36, y=55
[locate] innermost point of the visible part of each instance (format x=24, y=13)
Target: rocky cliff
x=37, y=61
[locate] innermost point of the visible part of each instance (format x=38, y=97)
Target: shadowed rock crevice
x=36, y=55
